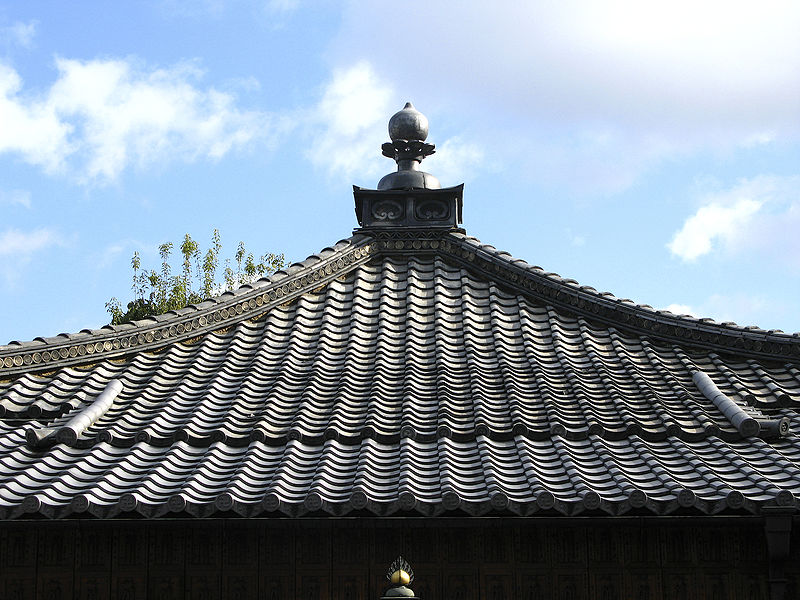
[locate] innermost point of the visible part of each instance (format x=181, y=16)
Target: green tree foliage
x=157, y=292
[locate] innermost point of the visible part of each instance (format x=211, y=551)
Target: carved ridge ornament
x=432, y=210
x=195, y=324
x=388, y=210
x=611, y=311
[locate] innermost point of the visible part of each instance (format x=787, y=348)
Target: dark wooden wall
x=486, y=559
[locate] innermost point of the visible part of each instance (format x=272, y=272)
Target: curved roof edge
x=624, y=314
x=545, y=504
x=252, y=300
x=247, y=302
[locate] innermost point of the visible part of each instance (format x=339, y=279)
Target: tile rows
x=420, y=350
x=519, y=475
x=407, y=383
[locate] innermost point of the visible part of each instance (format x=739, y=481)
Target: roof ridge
x=251, y=300
x=626, y=314
x=214, y=313
x=610, y=296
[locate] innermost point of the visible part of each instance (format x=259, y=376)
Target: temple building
x=408, y=391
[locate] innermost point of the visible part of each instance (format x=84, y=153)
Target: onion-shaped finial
x=408, y=130
x=408, y=124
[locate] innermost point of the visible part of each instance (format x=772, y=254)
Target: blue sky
x=649, y=149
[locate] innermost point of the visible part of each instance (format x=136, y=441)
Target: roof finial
x=400, y=575
x=408, y=130
x=408, y=124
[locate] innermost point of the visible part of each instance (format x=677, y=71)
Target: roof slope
x=407, y=371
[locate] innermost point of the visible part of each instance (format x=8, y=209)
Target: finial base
x=400, y=591
x=408, y=179
x=408, y=208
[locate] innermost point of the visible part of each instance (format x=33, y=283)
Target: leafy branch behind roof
x=157, y=292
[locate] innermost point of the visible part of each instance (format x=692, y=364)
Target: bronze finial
x=408, y=130
x=408, y=198
x=408, y=124
x=400, y=575
x=400, y=571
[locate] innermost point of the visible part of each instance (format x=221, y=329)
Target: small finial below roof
x=408, y=130
x=400, y=575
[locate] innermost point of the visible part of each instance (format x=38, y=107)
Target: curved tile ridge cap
x=248, y=301
x=68, y=434
x=745, y=424
x=622, y=313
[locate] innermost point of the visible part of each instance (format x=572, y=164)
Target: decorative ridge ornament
x=400, y=571
x=408, y=198
x=408, y=130
x=400, y=575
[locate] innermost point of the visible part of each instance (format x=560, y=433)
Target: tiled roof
x=405, y=372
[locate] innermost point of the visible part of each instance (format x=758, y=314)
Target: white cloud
x=677, y=64
x=759, y=214
x=709, y=223
x=349, y=124
x=17, y=244
x=742, y=308
x=18, y=247
x=31, y=127
x=681, y=309
x=625, y=83
x=455, y=161
x=101, y=116
x=19, y=33
x=20, y=197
